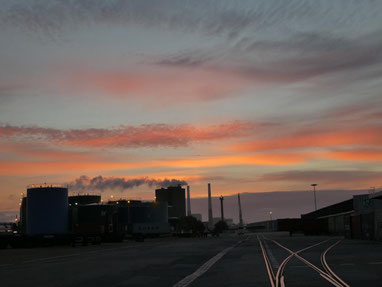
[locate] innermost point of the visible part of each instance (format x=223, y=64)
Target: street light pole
x=270, y=215
x=314, y=192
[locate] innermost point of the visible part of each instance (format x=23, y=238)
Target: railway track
x=277, y=278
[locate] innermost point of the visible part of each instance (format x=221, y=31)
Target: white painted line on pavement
x=65, y=256
x=83, y=253
x=204, y=268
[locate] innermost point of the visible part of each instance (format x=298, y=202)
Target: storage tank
x=47, y=210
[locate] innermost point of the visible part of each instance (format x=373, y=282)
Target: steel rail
x=327, y=267
x=267, y=264
x=279, y=274
x=322, y=273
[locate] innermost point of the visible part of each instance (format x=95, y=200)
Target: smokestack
x=240, y=214
x=221, y=207
x=188, y=201
x=210, y=218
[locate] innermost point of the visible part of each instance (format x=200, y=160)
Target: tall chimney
x=210, y=218
x=188, y=201
x=240, y=214
x=221, y=207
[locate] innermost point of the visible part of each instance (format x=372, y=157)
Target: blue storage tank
x=47, y=210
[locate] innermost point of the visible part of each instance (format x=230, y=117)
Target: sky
x=252, y=96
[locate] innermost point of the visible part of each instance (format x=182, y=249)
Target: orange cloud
x=311, y=139
x=35, y=152
x=153, y=135
x=170, y=85
x=356, y=155
x=58, y=167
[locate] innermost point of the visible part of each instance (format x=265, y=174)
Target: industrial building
x=84, y=199
x=283, y=224
x=175, y=198
x=47, y=212
x=358, y=218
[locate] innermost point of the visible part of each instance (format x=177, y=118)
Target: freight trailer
x=115, y=221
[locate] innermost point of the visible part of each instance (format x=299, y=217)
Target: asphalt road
x=231, y=260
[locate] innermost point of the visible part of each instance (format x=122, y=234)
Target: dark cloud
x=214, y=17
x=186, y=59
x=100, y=183
x=211, y=17
x=316, y=54
x=304, y=42
x=299, y=57
x=304, y=55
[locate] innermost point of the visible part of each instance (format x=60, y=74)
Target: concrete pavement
x=229, y=260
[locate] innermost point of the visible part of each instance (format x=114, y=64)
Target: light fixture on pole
x=314, y=192
x=270, y=215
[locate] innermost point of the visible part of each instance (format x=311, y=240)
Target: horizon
x=230, y=204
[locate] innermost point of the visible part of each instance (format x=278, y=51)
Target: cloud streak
x=171, y=85
x=246, y=60
x=327, y=177
x=14, y=168
x=154, y=135
x=299, y=57
x=210, y=18
x=315, y=138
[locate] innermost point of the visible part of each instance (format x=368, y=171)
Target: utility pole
x=314, y=192
x=222, y=207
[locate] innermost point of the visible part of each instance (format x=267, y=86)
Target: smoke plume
x=84, y=183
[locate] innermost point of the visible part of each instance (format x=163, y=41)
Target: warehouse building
x=358, y=218
x=282, y=224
